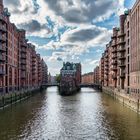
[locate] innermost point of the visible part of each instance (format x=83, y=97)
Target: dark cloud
x=59, y=59
x=88, y=10
x=12, y=2
x=33, y=26
x=74, y=16
x=15, y=4
x=84, y=35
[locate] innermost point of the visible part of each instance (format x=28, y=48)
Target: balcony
x=113, y=37
x=23, y=56
x=106, y=72
x=114, y=50
x=23, y=44
x=114, y=62
x=2, y=39
x=121, y=42
x=2, y=72
x=33, y=64
x=33, y=55
x=2, y=58
x=33, y=74
x=121, y=49
x=23, y=67
x=106, y=60
x=3, y=29
x=106, y=78
x=121, y=35
x=39, y=64
x=23, y=50
x=23, y=62
x=2, y=48
x=33, y=78
x=33, y=60
x=114, y=76
x=114, y=44
x=122, y=75
x=106, y=56
x=121, y=57
x=114, y=68
x=102, y=69
x=34, y=68
x=106, y=68
x=106, y=64
x=122, y=64
x=39, y=68
x=114, y=56
x=23, y=75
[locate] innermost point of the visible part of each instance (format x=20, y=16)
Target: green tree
x=58, y=78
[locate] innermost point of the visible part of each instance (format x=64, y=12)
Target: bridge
x=44, y=86
x=96, y=86
x=86, y=85
x=50, y=85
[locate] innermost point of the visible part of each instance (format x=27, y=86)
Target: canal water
x=88, y=115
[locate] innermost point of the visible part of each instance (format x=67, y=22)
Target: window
x=127, y=24
x=128, y=42
x=128, y=33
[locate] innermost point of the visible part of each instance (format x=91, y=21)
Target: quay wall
x=8, y=99
x=126, y=99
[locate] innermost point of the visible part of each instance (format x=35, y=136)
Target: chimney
x=122, y=20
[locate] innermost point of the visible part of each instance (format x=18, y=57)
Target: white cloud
x=80, y=40
x=78, y=14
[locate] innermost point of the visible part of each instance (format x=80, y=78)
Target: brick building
x=116, y=56
x=70, y=77
x=114, y=66
x=101, y=71
x=88, y=78
x=120, y=63
x=20, y=67
x=135, y=49
x=96, y=76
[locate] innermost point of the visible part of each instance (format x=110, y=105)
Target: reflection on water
x=88, y=115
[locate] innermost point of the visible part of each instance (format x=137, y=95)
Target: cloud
x=80, y=40
x=59, y=59
x=60, y=13
x=84, y=34
x=75, y=18
x=84, y=11
x=12, y=3
x=94, y=62
x=32, y=26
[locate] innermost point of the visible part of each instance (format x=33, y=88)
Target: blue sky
x=72, y=30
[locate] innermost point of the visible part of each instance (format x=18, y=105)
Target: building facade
x=88, y=78
x=119, y=66
x=101, y=71
x=21, y=68
x=116, y=57
x=135, y=49
x=70, y=77
x=96, y=76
